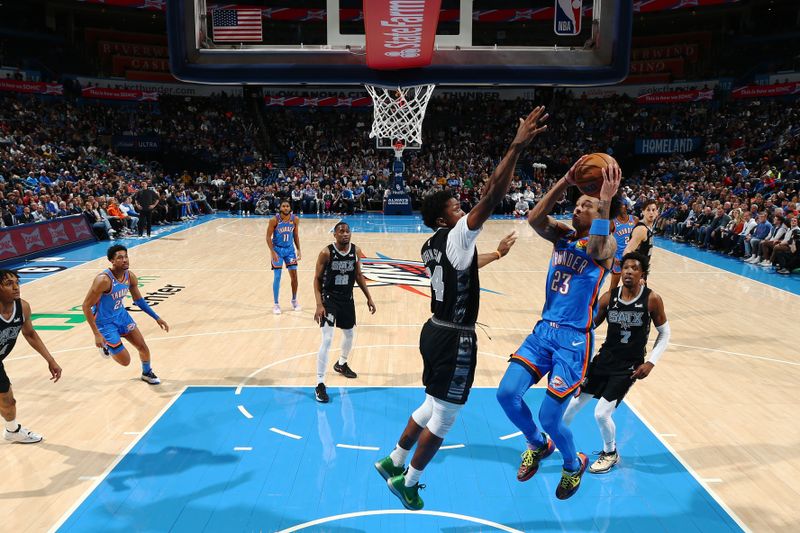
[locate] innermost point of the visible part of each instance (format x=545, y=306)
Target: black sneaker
x=151, y=378
x=321, y=394
x=344, y=370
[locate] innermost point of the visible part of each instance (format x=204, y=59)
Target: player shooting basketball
x=562, y=341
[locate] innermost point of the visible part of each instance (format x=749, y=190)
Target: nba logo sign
x=567, y=20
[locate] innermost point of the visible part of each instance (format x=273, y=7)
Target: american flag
x=237, y=25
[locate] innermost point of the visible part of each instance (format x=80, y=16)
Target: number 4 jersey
x=455, y=292
x=573, y=283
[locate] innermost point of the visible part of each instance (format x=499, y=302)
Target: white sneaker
x=22, y=436
x=151, y=378
x=604, y=463
x=765, y=263
x=753, y=259
x=276, y=310
x=296, y=306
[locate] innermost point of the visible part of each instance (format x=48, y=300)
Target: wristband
x=499, y=255
x=601, y=227
x=142, y=304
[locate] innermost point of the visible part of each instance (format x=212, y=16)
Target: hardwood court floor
x=723, y=397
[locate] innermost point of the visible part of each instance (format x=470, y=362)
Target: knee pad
x=443, y=417
x=422, y=414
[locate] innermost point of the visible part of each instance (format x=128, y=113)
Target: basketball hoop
x=398, y=114
x=398, y=148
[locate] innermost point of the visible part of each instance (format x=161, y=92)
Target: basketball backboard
x=478, y=42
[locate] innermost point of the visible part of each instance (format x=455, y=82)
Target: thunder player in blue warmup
x=562, y=341
x=104, y=309
x=283, y=237
x=623, y=227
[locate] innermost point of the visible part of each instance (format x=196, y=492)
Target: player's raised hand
x=570, y=175
x=506, y=243
x=612, y=176
x=531, y=126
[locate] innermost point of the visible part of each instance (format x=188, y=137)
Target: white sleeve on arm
x=461, y=244
x=661, y=343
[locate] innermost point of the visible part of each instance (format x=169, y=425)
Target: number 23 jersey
x=573, y=282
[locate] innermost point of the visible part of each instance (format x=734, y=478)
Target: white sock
x=12, y=426
x=324, y=349
x=608, y=430
x=399, y=455
x=412, y=476
x=347, y=344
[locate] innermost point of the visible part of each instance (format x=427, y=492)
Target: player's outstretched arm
x=322, y=260
x=37, y=343
x=497, y=186
x=100, y=285
x=602, y=245
x=142, y=304
x=502, y=250
x=362, y=282
x=539, y=217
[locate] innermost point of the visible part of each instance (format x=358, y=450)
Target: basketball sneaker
x=321, y=394
x=604, y=463
x=386, y=468
x=531, y=458
x=571, y=481
x=344, y=370
x=150, y=378
x=105, y=353
x=296, y=306
x=276, y=310
x=22, y=436
x=408, y=496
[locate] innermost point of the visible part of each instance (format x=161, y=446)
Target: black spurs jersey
x=340, y=273
x=455, y=294
x=626, y=340
x=646, y=245
x=9, y=330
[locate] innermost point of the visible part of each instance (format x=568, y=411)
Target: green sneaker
x=571, y=481
x=386, y=468
x=409, y=496
x=531, y=458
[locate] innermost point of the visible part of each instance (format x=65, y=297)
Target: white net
x=398, y=112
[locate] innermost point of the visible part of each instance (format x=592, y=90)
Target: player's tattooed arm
x=603, y=247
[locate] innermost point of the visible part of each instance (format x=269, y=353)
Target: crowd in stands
x=57, y=158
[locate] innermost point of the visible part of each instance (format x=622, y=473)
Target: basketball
x=589, y=175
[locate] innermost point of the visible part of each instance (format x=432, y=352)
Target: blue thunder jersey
x=622, y=232
x=283, y=236
x=573, y=281
x=111, y=304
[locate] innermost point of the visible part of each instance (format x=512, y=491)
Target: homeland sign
x=668, y=146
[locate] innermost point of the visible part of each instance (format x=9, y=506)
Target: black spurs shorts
x=449, y=355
